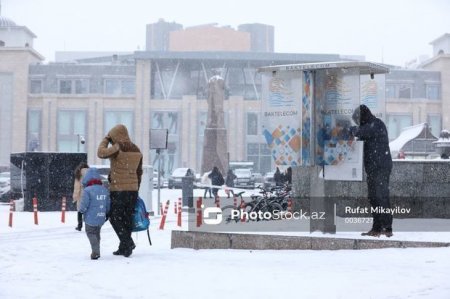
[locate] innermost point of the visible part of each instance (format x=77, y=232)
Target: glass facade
x=112, y=118
x=169, y=158
x=172, y=81
x=71, y=127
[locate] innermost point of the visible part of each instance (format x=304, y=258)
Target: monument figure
x=215, y=146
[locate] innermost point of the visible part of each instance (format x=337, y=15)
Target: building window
x=433, y=91
x=73, y=86
x=72, y=126
x=35, y=86
x=259, y=154
x=391, y=91
x=396, y=123
x=120, y=87
x=112, y=87
x=405, y=92
x=65, y=86
x=435, y=123
x=34, y=131
x=113, y=118
x=252, y=124
x=81, y=86
x=128, y=87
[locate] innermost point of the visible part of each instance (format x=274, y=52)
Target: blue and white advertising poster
x=337, y=94
x=281, y=116
x=373, y=94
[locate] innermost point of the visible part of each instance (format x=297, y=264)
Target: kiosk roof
x=365, y=68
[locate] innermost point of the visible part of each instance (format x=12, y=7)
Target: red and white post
x=35, y=210
x=163, y=219
x=63, y=210
x=289, y=205
x=217, y=200
x=199, y=212
x=179, y=212
x=242, y=210
x=175, y=207
x=11, y=211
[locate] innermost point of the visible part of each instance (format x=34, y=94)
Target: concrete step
x=207, y=240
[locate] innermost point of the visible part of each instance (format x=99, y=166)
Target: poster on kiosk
x=307, y=112
x=281, y=117
x=336, y=96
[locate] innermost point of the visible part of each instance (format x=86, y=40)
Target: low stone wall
x=205, y=240
x=421, y=186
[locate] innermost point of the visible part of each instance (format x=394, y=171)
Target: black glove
x=353, y=130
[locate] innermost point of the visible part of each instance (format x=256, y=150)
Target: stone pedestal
x=215, y=150
x=311, y=196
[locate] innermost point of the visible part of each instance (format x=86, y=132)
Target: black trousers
x=206, y=191
x=121, y=216
x=80, y=219
x=378, y=193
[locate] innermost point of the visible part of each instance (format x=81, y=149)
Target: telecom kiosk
x=306, y=111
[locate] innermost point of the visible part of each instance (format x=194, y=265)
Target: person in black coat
x=378, y=166
x=230, y=181
x=288, y=176
x=278, y=177
x=216, y=180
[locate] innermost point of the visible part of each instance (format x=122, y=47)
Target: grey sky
x=394, y=31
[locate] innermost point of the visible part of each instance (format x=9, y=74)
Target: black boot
x=127, y=252
x=387, y=232
x=372, y=233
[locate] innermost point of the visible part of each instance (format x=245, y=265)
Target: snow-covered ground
x=51, y=260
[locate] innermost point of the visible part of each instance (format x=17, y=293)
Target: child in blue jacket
x=95, y=204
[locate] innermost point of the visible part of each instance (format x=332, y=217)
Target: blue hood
x=91, y=174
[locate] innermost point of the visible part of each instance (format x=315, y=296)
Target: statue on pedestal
x=215, y=149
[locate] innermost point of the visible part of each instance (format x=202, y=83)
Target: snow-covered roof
x=407, y=134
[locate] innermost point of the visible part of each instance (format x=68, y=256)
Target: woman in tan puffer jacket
x=79, y=173
x=124, y=180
